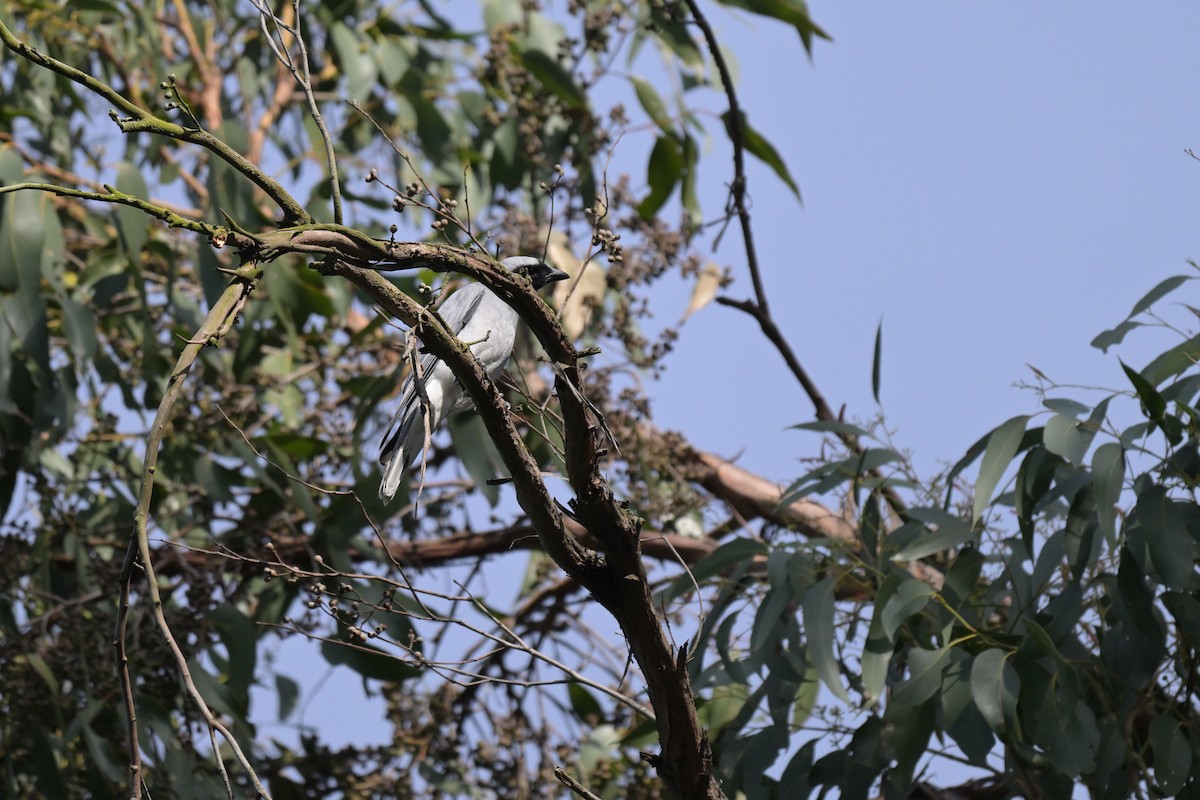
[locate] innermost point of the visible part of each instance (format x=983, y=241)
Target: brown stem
x=758, y=307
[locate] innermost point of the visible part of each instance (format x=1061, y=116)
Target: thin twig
x=219, y=319
x=758, y=308
x=574, y=785
x=138, y=119
x=304, y=78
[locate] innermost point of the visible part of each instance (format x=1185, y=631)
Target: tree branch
x=139, y=119
x=758, y=307
x=219, y=321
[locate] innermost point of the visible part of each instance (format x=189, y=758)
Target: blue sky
x=996, y=182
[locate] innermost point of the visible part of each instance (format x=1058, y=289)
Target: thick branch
x=619, y=583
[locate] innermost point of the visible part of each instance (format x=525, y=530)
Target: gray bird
x=489, y=325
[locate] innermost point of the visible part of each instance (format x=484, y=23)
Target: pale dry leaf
x=707, y=283
x=575, y=298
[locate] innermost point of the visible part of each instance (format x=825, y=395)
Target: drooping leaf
x=1172, y=754
x=819, y=629
x=652, y=104
x=951, y=532
x=1108, y=477
x=289, y=693
x=664, y=170
x=1152, y=401
x=1001, y=447
x=555, y=77
x=760, y=148
x=1172, y=549
x=358, y=63
x=132, y=224
x=477, y=452
x=877, y=361
x=995, y=687
x=925, y=675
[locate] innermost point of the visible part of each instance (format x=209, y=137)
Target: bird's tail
x=400, y=449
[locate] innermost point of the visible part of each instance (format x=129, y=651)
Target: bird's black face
x=539, y=273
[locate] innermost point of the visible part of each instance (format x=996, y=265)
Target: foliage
x=1037, y=620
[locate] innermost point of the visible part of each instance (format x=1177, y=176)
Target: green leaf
x=22, y=241
x=792, y=12
x=963, y=721
x=80, y=326
x=910, y=597
x=831, y=426
x=664, y=170
x=1172, y=754
x=1062, y=438
x=356, y=60
x=477, y=452
x=995, y=687
x=819, y=633
x=732, y=553
x=131, y=223
x=674, y=33
x=1154, y=405
x=554, y=77
x=829, y=476
x=877, y=651
x=1114, y=336
x=1160, y=291
x=925, y=676
x=289, y=693
x=876, y=362
x=906, y=737
x=1108, y=478
x=1178, y=359
x=239, y=636
x=652, y=104
x=761, y=149
x=1172, y=550
x=367, y=661
x=1001, y=447
x=951, y=532
x=1067, y=407
x=687, y=189
x=583, y=703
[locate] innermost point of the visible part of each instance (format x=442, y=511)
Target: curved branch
x=139, y=119
x=219, y=321
x=618, y=579
x=172, y=218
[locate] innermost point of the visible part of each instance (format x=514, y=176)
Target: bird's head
x=538, y=272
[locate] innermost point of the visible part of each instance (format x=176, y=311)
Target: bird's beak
x=547, y=274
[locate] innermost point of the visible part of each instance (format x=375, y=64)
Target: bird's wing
x=456, y=312
x=490, y=332
x=461, y=305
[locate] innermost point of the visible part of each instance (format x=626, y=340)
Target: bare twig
x=574, y=785
x=219, y=320
x=758, y=308
x=300, y=71
x=138, y=119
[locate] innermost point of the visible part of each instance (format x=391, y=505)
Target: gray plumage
x=478, y=318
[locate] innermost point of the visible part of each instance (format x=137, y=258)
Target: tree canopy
x=211, y=214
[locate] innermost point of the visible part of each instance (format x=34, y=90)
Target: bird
x=488, y=325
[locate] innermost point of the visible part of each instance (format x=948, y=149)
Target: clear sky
x=996, y=182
